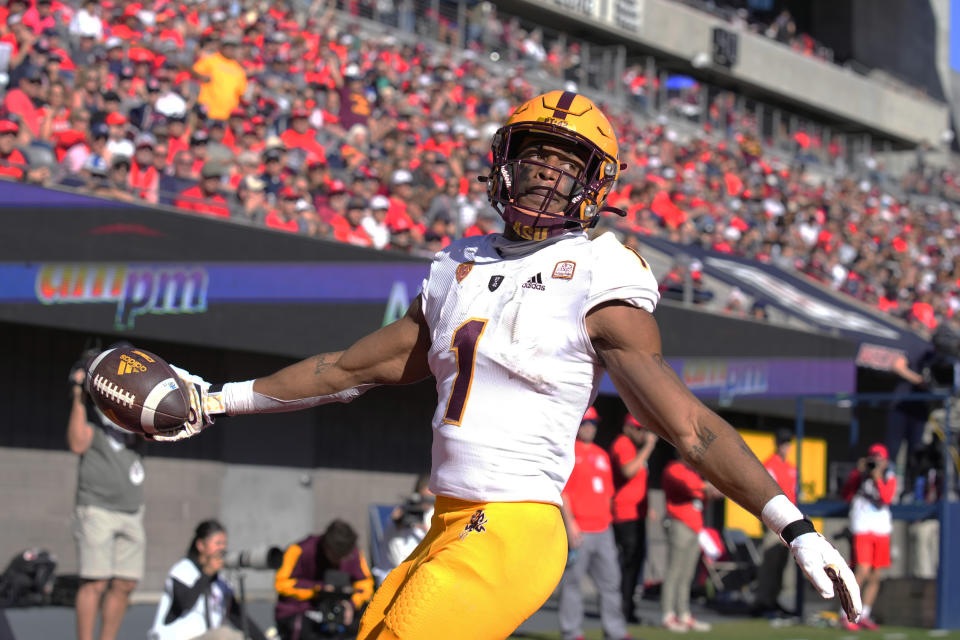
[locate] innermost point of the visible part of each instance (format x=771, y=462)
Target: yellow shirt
x=228, y=82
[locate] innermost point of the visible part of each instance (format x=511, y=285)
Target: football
x=137, y=390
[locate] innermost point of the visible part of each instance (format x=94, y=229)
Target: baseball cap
x=95, y=165
x=198, y=136
x=590, y=415
x=379, y=202
x=116, y=119
x=253, y=183
x=401, y=176
x=100, y=130
x=9, y=126
x=878, y=450
x=299, y=113
x=630, y=421
x=211, y=170
x=288, y=193
x=114, y=42
x=357, y=202
x=120, y=159
x=337, y=186
x=145, y=140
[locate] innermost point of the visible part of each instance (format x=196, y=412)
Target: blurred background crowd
x=304, y=118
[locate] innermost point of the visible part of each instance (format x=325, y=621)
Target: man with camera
x=870, y=489
x=322, y=584
x=410, y=522
x=196, y=603
x=108, y=516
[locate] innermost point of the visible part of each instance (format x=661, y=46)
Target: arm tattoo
x=667, y=369
x=324, y=362
x=699, y=450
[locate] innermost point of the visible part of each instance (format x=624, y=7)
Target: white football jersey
x=514, y=365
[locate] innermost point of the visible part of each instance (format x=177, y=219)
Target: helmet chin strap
x=532, y=227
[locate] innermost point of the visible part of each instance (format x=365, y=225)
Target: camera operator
x=196, y=603
x=323, y=583
x=409, y=522
x=108, y=512
x=869, y=490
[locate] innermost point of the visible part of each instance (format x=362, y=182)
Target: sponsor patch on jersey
x=463, y=270
x=495, y=282
x=564, y=269
x=536, y=282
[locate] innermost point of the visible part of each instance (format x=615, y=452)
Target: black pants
x=631, y=539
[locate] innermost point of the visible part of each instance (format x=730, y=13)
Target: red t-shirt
x=590, y=488
x=630, y=499
x=785, y=475
x=14, y=165
x=275, y=221
x=683, y=489
x=194, y=200
x=344, y=232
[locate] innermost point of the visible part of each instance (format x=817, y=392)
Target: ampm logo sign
x=136, y=290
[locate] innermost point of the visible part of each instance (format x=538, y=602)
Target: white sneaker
x=693, y=624
x=671, y=623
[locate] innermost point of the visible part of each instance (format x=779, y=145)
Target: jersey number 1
x=464, y=345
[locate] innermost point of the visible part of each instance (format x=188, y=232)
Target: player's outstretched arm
x=627, y=340
x=395, y=354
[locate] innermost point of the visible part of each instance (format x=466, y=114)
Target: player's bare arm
x=628, y=341
x=395, y=354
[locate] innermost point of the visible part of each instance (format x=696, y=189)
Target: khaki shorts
x=110, y=544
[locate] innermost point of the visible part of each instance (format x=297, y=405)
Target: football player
x=517, y=329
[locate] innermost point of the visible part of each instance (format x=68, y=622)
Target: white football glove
x=203, y=407
x=828, y=571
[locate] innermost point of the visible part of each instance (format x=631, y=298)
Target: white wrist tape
x=240, y=398
x=779, y=512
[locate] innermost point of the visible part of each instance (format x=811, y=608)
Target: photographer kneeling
x=196, y=604
x=322, y=585
x=410, y=522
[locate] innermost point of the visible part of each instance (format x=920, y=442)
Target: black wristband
x=796, y=529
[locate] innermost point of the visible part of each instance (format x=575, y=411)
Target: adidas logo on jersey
x=536, y=282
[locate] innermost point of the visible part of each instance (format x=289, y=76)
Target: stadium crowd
x=302, y=122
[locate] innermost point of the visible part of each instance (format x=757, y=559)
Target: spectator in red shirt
x=775, y=554
x=21, y=101
x=144, y=177
x=349, y=226
x=205, y=198
x=12, y=163
x=285, y=217
x=629, y=454
x=301, y=136
x=587, y=515
x=685, y=492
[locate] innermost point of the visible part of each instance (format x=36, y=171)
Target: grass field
x=761, y=630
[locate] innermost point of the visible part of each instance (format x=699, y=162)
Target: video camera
x=329, y=617
x=413, y=509
x=263, y=558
